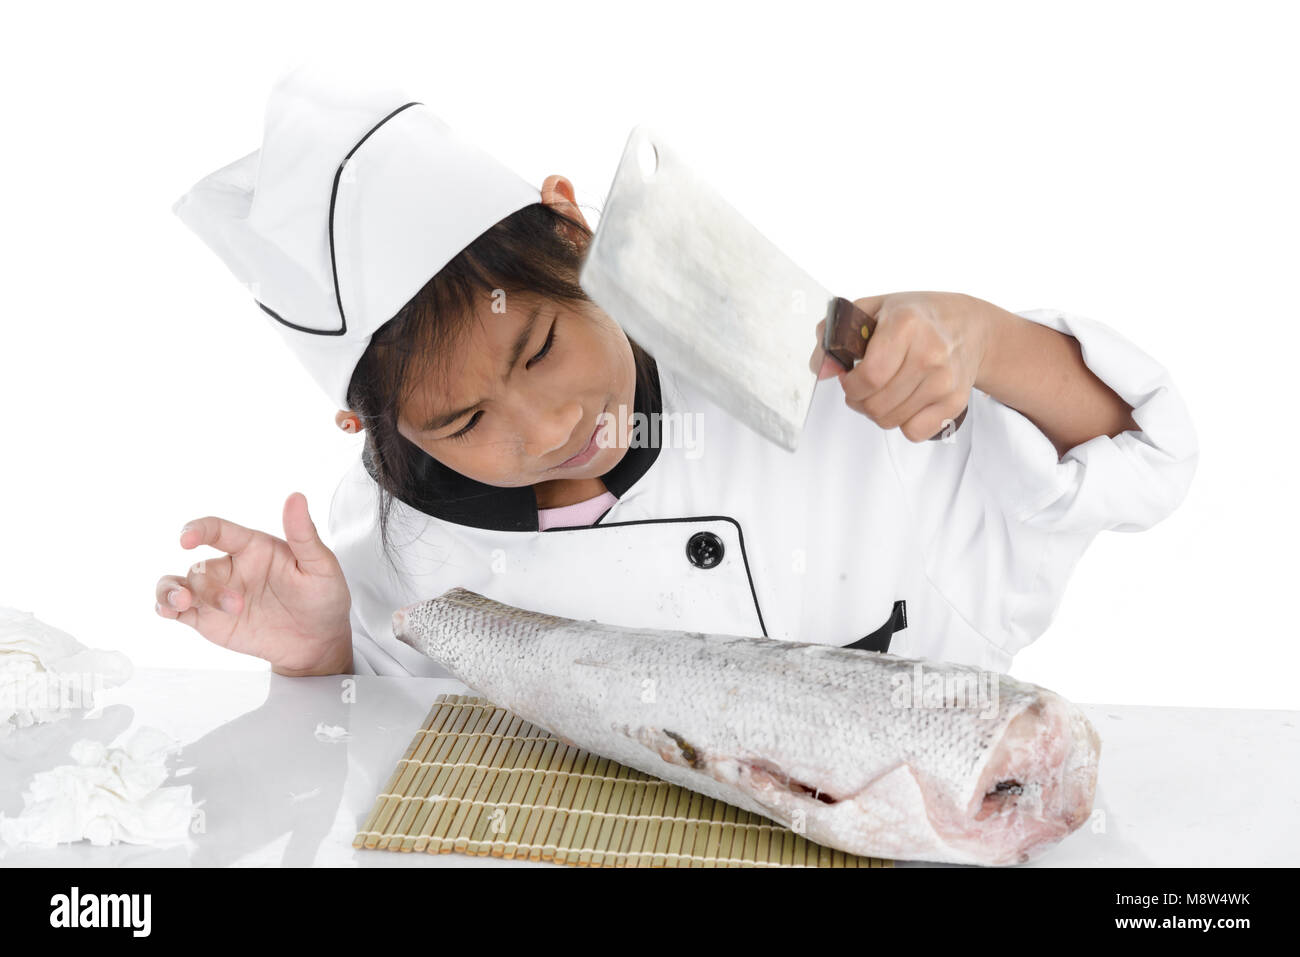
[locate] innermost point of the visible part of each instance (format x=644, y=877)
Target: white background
x=1131, y=162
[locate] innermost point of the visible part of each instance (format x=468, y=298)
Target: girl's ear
x=348, y=421
x=557, y=192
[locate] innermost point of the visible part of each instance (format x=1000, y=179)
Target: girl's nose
x=552, y=432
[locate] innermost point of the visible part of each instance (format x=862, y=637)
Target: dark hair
x=535, y=250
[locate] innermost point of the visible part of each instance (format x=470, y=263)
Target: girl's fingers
x=820, y=362
x=929, y=389
x=829, y=368
x=205, y=585
x=879, y=366
x=208, y=582
x=907, y=382
x=220, y=534
x=310, y=553
x=817, y=361
x=172, y=595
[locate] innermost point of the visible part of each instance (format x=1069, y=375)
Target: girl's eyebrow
x=443, y=419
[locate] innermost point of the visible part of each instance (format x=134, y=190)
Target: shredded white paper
x=109, y=795
x=45, y=673
x=331, y=732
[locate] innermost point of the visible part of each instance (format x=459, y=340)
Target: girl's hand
x=284, y=600
x=920, y=363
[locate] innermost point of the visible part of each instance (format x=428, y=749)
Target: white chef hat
x=357, y=197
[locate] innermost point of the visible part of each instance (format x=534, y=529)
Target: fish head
x=433, y=625
x=405, y=628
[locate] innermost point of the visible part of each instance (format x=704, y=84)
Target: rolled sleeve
x=1004, y=520
x=1124, y=483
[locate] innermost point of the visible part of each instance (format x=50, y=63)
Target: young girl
x=519, y=444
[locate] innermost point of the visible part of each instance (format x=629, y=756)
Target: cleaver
x=700, y=288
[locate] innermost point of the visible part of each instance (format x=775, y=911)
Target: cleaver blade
x=701, y=289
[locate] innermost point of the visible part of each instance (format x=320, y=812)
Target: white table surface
x=1177, y=786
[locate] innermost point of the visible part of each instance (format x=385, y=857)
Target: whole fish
x=866, y=752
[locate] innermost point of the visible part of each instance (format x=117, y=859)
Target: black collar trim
x=447, y=495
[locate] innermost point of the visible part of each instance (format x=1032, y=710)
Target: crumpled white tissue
x=109, y=795
x=331, y=732
x=45, y=673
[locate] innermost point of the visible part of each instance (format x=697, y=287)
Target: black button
x=704, y=549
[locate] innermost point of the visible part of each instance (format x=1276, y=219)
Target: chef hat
x=357, y=197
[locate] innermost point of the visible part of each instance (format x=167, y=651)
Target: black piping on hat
x=334, y=192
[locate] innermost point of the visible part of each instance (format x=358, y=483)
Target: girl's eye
x=550, y=340
x=469, y=426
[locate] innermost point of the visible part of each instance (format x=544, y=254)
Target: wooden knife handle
x=848, y=330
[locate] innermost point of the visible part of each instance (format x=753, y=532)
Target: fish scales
x=828, y=741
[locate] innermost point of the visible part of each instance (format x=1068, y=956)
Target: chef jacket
x=956, y=550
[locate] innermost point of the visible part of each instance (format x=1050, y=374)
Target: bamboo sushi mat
x=479, y=780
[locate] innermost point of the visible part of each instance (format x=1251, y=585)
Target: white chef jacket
x=953, y=550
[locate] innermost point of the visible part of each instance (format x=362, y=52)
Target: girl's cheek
x=501, y=458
